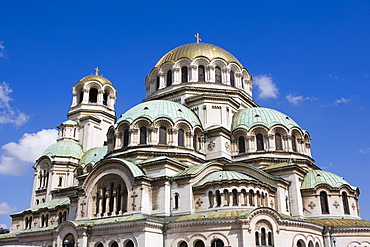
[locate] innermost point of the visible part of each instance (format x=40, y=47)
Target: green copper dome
x=93, y=155
x=250, y=117
x=155, y=109
x=224, y=176
x=64, y=149
x=316, y=177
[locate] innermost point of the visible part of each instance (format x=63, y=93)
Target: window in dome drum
x=232, y=78
x=169, y=78
x=241, y=144
x=218, y=78
x=324, y=202
x=162, y=135
x=260, y=145
x=180, y=138
x=143, y=135
x=278, y=142
x=294, y=144
x=184, y=74
x=201, y=76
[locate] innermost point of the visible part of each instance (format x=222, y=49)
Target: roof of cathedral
x=250, y=117
x=49, y=204
x=224, y=176
x=194, y=50
x=98, y=78
x=93, y=155
x=316, y=177
x=155, y=109
x=340, y=222
x=64, y=148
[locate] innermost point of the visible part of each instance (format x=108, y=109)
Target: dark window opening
x=69, y=241
x=181, y=138
x=235, y=197
x=324, y=203
x=126, y=135
x=218, y=76
x=184, y=74
x=176, y=200
x=345, y=203
x=105, y=98
x=218, y=198
x=183, y=244
x=81, y=97
x=143, y=135
x=201, y=70
x=157, y=83
x=162, y=135
x=294, y=144
x=199, y=243
x=93, y=95
x=260, y=145
x=169, y=78
x=217, y=243
x=241, y=144
x=232, y=78
x=129, y=244
x=278, y=142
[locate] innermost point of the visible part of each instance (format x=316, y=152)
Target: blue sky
x=309, y=59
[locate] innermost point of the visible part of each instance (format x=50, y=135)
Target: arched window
x=93, y=95
x=126, y=136
x=310, y=244
x=104, y=200
x=241, y=144
x=169, y=78
x=324, y=202
x=201, y=70
x=100, y=245
x=37, y=202
x=260, y=145
x=69, y=240
x=257, y=238
x=60, y=217
x=47, y=220
x=60, y=181
x=114, y=244
x=218, y=77
x=129, y=244
x=64, y=216
x=157, y=83
x=176, y=200
x=294, y=144
x=251, y=197
x=345, y=203
x=235, y=197
x=300, y=243
x=183, y=244
x=269, y=239
x=162, y=135
x=184, y=74
x=111, y=196
x=199, y=243
x=210, y=199
x=105, y=98
x=143, y=135
x=42, y=221
x=278, y=142
x=263, y=236
x=232, y=78
x=181, y=138
x=218, y=198
x=81, y=97
x=217, y=243
x=226, y=197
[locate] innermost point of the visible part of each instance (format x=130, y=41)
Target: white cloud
x=17, y=157
x=266, y=87
x=2, y=49
x=296, y=99
x=9, y=114
x=5, y=209
x=341, y=101
x=3, y=226
x=364, y=150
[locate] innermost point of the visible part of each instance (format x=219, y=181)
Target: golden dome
x=98, y=78
x=195, y=50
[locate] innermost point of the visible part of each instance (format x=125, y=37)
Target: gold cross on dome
x=197, y=37
x=97, y=71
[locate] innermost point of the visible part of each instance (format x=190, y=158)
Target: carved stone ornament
x=199, y=202
x=312, y=205
x=336, y=204
x=227, y=145
x=211, y=145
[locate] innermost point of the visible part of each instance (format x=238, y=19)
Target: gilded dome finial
x=197, y=37
x=97, y=71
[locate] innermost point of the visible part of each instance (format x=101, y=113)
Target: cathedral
x=197, y=164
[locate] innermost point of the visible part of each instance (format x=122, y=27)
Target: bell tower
x=92, y=108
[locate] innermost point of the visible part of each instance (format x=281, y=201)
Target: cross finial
x=97, y=71
x=197, y=37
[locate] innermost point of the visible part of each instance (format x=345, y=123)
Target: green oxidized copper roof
x=194, y=169
x=224, y=176
x=316, y=177
x=65, y=149
x=70, y=122
x=155, y=109
x=340, y=222
x=136, y=171
x=93, y=155
x=250, y=117
x=50, y=204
